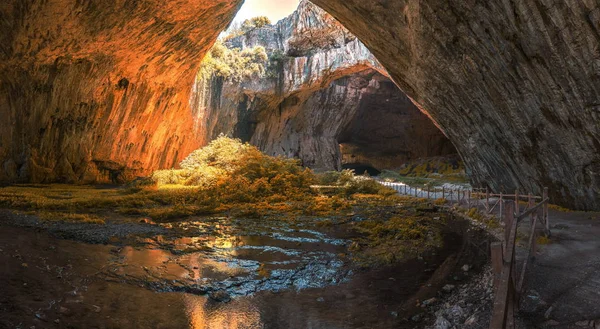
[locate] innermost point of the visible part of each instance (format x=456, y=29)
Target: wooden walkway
x=509, y=277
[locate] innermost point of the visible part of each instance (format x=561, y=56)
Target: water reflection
x=203, y=314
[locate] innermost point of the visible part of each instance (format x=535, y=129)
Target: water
x=209, y=273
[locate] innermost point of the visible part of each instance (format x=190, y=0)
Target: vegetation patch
x=429, y=172
x=405, y=229
x=234, y=179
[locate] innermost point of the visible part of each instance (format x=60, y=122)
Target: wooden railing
x=508, y=284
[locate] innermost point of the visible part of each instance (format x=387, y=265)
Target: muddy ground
x=217, y=272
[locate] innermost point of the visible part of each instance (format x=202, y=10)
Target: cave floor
x=253, y=275
x=563, y=284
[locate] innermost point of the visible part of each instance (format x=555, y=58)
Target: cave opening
x=310, y=90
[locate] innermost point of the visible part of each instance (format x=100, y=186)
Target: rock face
x=99, y=90
x=327, y=89
x=515, y=85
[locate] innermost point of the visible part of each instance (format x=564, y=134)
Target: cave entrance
x=305, y=87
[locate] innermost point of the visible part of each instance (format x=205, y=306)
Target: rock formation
x=327, y=89
x=99, y=90
x=515, y=85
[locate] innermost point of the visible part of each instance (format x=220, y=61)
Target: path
x=563, y=284
x=562, y=287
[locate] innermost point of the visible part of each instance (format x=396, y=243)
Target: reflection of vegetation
x=234, y=64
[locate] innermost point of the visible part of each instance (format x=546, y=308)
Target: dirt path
x=563, y=283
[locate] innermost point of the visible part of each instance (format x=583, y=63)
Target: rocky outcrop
x=513, y=84
x=327, y=89
x=99, y=90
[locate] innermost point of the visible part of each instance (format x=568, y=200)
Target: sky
x=274, y=9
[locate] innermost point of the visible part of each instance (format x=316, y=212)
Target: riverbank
x=272, y=271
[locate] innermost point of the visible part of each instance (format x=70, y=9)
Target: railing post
x=501, y=207
x=545, y=212
x=468, y=199
x=487, y=199
x=428, y=191
x=530, y=205
x=497, y=261
x=443, y=192
x=517, y=208
x=404, y=189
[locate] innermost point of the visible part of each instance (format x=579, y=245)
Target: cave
x=125, y=204
x=325, y=99
x=528, y=132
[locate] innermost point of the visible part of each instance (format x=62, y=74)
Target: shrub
x=234, y=64
x=255, y=22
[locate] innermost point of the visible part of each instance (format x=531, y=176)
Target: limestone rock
x=329, y=92
x=106, y=79
x=513, y=84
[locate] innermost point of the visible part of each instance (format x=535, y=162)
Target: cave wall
x=515, y=85
x=388, y=130
x=99, y=90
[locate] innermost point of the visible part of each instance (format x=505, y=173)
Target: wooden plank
x=492, y=209
x=501, y=312
x=517, y=207
x=496, y=250
x=532, y=210
x=530, y=253
x=545, y=213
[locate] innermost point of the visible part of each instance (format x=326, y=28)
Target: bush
x=232, y=171
x=234, y=64
x=255, y=22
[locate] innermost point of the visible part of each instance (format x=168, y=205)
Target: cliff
x=99, y=90
x=105, y=84
x=515, y=85
x=327, y=89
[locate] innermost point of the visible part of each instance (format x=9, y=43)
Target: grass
x=432, y=172
x=396, y=228
x=542, y=240
x=559, y=208
x=236, y=180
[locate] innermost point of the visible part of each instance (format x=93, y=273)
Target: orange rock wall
x=98, y=90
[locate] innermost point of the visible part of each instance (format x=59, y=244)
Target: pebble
x=417, y=317
x=428, y=301
x=448, y=287
x=320, y=299
x=442, y=323
x=220, y=296
x=64, y=310
x=466, y=268
x=548, y=312
x=471, y=320
x=394, y=314
x=96, y=308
